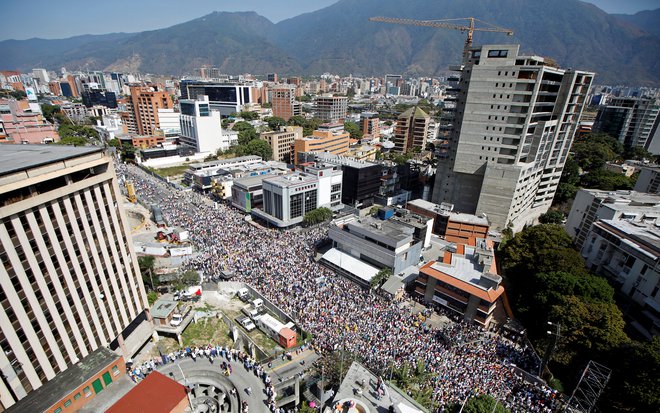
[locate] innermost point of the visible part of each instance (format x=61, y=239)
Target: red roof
x=155, y=394
x=489, y=295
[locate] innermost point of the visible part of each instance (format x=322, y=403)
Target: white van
x=243, y=294
x=258, y=304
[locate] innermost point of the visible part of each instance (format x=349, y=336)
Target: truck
x=251, y=312
x=246, y=322
x=258, y=304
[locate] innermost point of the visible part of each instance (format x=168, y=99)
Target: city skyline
x=45, y=21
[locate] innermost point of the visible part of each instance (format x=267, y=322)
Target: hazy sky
x=58, y=19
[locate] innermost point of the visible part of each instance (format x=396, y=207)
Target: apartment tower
x=284, y=103
x=411, y=129
x=146, y=100
x=515, y=119
x=69, y=278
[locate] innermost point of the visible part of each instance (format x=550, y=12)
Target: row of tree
x=546, y=280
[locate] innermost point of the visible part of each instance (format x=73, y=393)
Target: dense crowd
x=464, y=359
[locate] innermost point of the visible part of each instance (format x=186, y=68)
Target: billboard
x=31, y=95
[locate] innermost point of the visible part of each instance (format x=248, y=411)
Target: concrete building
x=169, y=123
x=211, y=168
x=411, y=130
x=591, y=205
x=19, y=125
x=77, y=386
x=282, y=142
x=287, y=198
x=452, y=226
x=370, y=125
x=374, y=242
x=145, y=101
x=628, y=254
x=226, y=98
x=69, y=277
x=201, y=127
x=633, y=121
x=360, y=181
x=648, y=180
x=247, y=193
x=284, y=103
x=514, y=125
x=326, y=139
x=465, y=281
x=95, y=97
x=331, y=108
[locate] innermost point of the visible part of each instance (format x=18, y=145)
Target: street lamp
x=552, y=345
x=188, y=390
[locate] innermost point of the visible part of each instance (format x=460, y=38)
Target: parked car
x=246, y=323
x=176, y=320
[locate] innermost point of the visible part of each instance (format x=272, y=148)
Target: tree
x=565, y=192
x=381, y=276
x=353, y=129
x=115, y=143
x=482, y=403
x=607, y=180
x=146, y=264
x=246, y=132
x=128, y=152
x=591, y=156
x=571, y=172
x=636, y=153
x=249, y=115
x=49, y=111
x=304, y=98
x=552, y=217
x=274, y=122
x=297, y=120
x=259, y=147
x=316, y=216
x=588, y=329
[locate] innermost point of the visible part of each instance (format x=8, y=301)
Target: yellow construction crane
x=445, y=24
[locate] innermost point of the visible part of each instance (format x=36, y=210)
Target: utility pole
x=552, y=346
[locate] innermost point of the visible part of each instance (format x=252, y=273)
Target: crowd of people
x=464, y=359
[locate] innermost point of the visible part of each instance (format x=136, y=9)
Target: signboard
x=31, y=95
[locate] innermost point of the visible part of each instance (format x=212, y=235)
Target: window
x=115, y=370
x=77, y=396
x=67, y=403
x=87, y=391
x=498, y=53
x=58, y=410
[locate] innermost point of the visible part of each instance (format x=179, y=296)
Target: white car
x=246, y=323
x=176, y=320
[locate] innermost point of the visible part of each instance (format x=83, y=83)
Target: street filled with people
x=464, y=359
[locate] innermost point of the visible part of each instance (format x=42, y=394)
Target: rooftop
x=454, y=216
x=221, y=162
x=249, y=181
x=14, y=158
x=639, y=235
x=155, y=394
x=389, y=229
x=65, y=382
x=342, y=160
x=162, y=308
x=296, y=178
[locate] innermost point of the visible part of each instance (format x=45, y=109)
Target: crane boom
x=445, y=24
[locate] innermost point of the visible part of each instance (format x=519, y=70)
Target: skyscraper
x=514, y=124
x=633, y=121
x=283, y=101
x=331, y=108
x=146, y=100
x=69, y=279
x=411, y=129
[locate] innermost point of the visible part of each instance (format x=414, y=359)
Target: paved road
x=283, y=369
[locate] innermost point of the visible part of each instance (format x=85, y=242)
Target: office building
x=331, y=108
x=287, y=198
x=247, y=193
x=451, y=226
x=200, y=126
x=410, y=130
x=327, y=138
x=369, y=125
x=465, y=282
x=363, y=246
x=360, y=181
x=227, y=98
x=632, y=121
x=591, y=205
x=69, y=277
x=284, y=103
x=648, y=180
x=627, y=253
x=41, y=75
x=514, y=125
x=145, y=102
x=282, y=142
x=95, y=97
x=169, y=123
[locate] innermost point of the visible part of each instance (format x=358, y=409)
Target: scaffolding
x=591, y=385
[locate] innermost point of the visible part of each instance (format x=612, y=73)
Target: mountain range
x=621, y=49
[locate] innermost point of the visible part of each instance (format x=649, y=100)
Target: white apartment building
x=513, y=128
x=591, y=205
x=200, y=127
x=69, y=278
